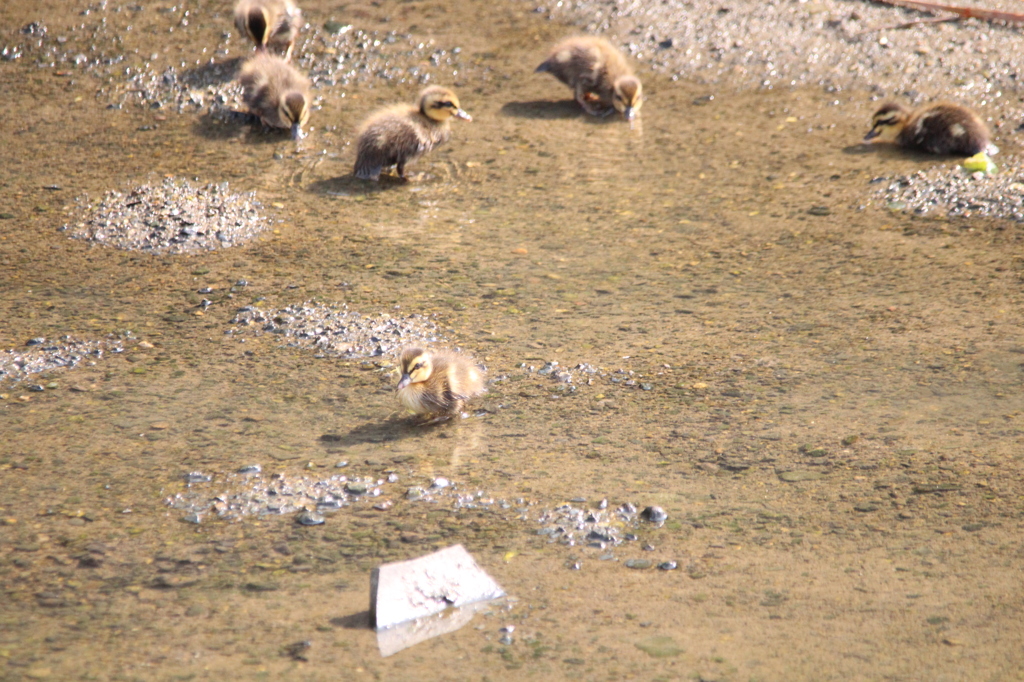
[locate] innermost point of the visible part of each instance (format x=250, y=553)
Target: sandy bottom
x=821, y=391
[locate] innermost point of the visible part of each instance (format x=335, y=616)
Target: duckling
x=436, y=383
x=598, y=74
x=942, y=128
x=269, y=23
x=400, y=133
x=276, y=92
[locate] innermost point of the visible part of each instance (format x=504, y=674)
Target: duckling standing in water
x=276, y=92
x=598, y=74
x=937, y=129
x=436, y=384
x=269, y=23
x=400, y=133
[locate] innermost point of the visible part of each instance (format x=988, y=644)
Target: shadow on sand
x=544, y=109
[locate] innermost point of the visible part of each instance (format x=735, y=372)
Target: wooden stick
x=911, y=24
x=962, y=12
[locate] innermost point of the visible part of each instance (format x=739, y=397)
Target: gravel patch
x=949, y=190
x=43, y=355
x=250, y=492
x=344, y=55
x=837, y=44
x=334, y=330
x=173, y=217
x=332, y=54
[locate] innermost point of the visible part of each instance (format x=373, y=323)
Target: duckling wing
x=575, y=64
x=946, y=129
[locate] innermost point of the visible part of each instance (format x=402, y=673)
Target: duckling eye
x=418, y=365
x=444, y=105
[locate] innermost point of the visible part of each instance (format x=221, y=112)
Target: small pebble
x=639, y=564
x=308, y=518
x=356, y=487
x=654, y=514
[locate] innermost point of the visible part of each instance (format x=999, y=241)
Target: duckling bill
x=270, y=24
x=396, y=135
x=598, y=74
x=438, y=383
x=276, y=92
x=944, y=128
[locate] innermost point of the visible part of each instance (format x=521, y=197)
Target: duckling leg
x=581, y=98
x=431, y=420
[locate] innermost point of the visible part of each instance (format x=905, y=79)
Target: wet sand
x=822, y=393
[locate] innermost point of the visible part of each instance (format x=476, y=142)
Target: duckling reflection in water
x=436, y=384
x=270, y=24
x=400, y=133
x=599, y=75
x=276, y=92
x=937, y=129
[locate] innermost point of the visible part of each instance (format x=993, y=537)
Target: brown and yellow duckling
x=599, y=75
x=270, y=24
x=276, y=92
x=436, y=384
x=942, y=128
x=400, y=133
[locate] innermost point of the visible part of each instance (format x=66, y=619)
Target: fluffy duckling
x=276, y=92
x=937, y=128
x=598, y=74
x=436, y=383
x=269, y=23
x=400, y=133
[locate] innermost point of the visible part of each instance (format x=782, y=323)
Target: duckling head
x=440, y=104
x=257, y=25
x=294, y=108
x=887, y=122
x=416, y=367
x=628, y=96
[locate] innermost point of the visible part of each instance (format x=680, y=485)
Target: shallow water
x=752, y=312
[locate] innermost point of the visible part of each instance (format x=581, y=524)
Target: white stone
x=404, y=590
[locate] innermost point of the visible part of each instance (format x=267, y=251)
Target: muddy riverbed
x=819, y=386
